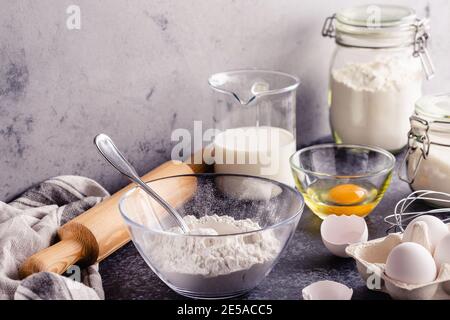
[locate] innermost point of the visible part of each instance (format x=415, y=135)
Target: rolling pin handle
x=57, y=258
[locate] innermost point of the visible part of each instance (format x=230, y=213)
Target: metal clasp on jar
x=418, y=138
x=420, y=42
x=328, y=29
x=420, y=48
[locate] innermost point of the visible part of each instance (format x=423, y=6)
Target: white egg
x=436, y=230
x=442, y=252
x=411, y=263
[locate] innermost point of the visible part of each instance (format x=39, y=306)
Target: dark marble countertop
x=305, y=260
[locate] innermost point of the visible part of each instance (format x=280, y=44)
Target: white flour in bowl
x=371, y=102
x=214, y=265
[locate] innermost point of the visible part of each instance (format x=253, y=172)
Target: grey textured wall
x=138, y=69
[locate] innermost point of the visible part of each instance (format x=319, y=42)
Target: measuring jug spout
x=243, y=87
x=245, y=101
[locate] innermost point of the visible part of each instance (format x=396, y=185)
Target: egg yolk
x=347, y=194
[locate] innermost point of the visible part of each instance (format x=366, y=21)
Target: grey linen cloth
x=29, y=224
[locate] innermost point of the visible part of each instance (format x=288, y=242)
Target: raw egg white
x=436, y=230
x=411, y=263
x=442, y=252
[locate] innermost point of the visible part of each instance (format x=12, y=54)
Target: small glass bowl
x=276, y=207
x=342, y=179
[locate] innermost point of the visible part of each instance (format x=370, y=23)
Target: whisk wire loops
x=402, y=216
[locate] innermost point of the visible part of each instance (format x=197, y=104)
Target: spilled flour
x=214, y=264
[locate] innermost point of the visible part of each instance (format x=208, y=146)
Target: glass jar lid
x=381, y=27
x=377, y=16
x=376, y=26
x=434, y=107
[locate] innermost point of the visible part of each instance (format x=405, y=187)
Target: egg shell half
x=338, y=232
x=327, y=290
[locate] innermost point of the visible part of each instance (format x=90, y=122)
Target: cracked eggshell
x=425, y=230
x=338, y=232
x=327, y=290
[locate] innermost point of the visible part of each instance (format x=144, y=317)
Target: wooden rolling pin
x=98, y=232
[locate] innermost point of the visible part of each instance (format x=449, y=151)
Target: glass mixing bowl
x=342, y=179
x=213, y=266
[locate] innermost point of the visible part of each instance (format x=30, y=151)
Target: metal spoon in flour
x=110, y=152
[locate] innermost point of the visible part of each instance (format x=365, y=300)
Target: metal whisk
x=401, y=217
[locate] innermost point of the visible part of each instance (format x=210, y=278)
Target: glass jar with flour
x=255, y=123
x=376, y=73
x=428, y=158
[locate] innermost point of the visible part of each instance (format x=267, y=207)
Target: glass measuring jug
x=255, y=120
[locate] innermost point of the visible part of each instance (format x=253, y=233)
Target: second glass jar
x=427, y=159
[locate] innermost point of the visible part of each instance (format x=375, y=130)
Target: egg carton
x=371, y=259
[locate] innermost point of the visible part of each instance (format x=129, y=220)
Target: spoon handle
x=112, y=154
